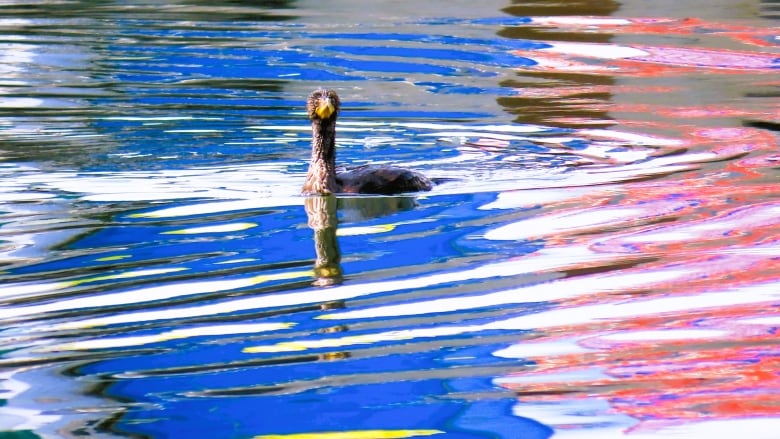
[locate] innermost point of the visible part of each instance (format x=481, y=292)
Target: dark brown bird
x=323, y=176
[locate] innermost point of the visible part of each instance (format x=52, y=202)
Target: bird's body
x=381, y=179
x=324, y=178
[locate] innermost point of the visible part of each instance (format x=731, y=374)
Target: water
x=601, y=260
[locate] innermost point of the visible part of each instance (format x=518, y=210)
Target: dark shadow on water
x=558, y=98
x=529, y=8
x=355, y=209
x=233, y=10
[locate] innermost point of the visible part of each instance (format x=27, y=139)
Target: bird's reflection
x=322, y=212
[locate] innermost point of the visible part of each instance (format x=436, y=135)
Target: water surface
x=600, y=261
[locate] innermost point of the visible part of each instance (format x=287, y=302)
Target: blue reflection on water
x=245, y=399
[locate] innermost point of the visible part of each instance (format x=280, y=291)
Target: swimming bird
x=323, y=177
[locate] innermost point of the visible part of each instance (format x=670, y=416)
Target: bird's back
x=384, y=180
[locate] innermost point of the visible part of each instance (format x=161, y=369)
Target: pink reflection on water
x=663, y=369
x=662, y=26
x=671, y=353
x=643, y=60
x=674, y=350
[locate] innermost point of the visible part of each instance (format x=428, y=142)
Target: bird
x=324, y=178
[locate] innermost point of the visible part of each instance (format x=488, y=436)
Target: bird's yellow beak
x=325, y=109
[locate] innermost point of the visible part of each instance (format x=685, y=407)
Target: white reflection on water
x=174, y=334
x=549, y=319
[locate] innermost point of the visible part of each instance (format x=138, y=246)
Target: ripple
x=598, y=260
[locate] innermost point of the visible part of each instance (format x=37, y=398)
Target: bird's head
x=323, y=105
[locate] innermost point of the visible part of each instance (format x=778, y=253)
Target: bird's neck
x=321, y=178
